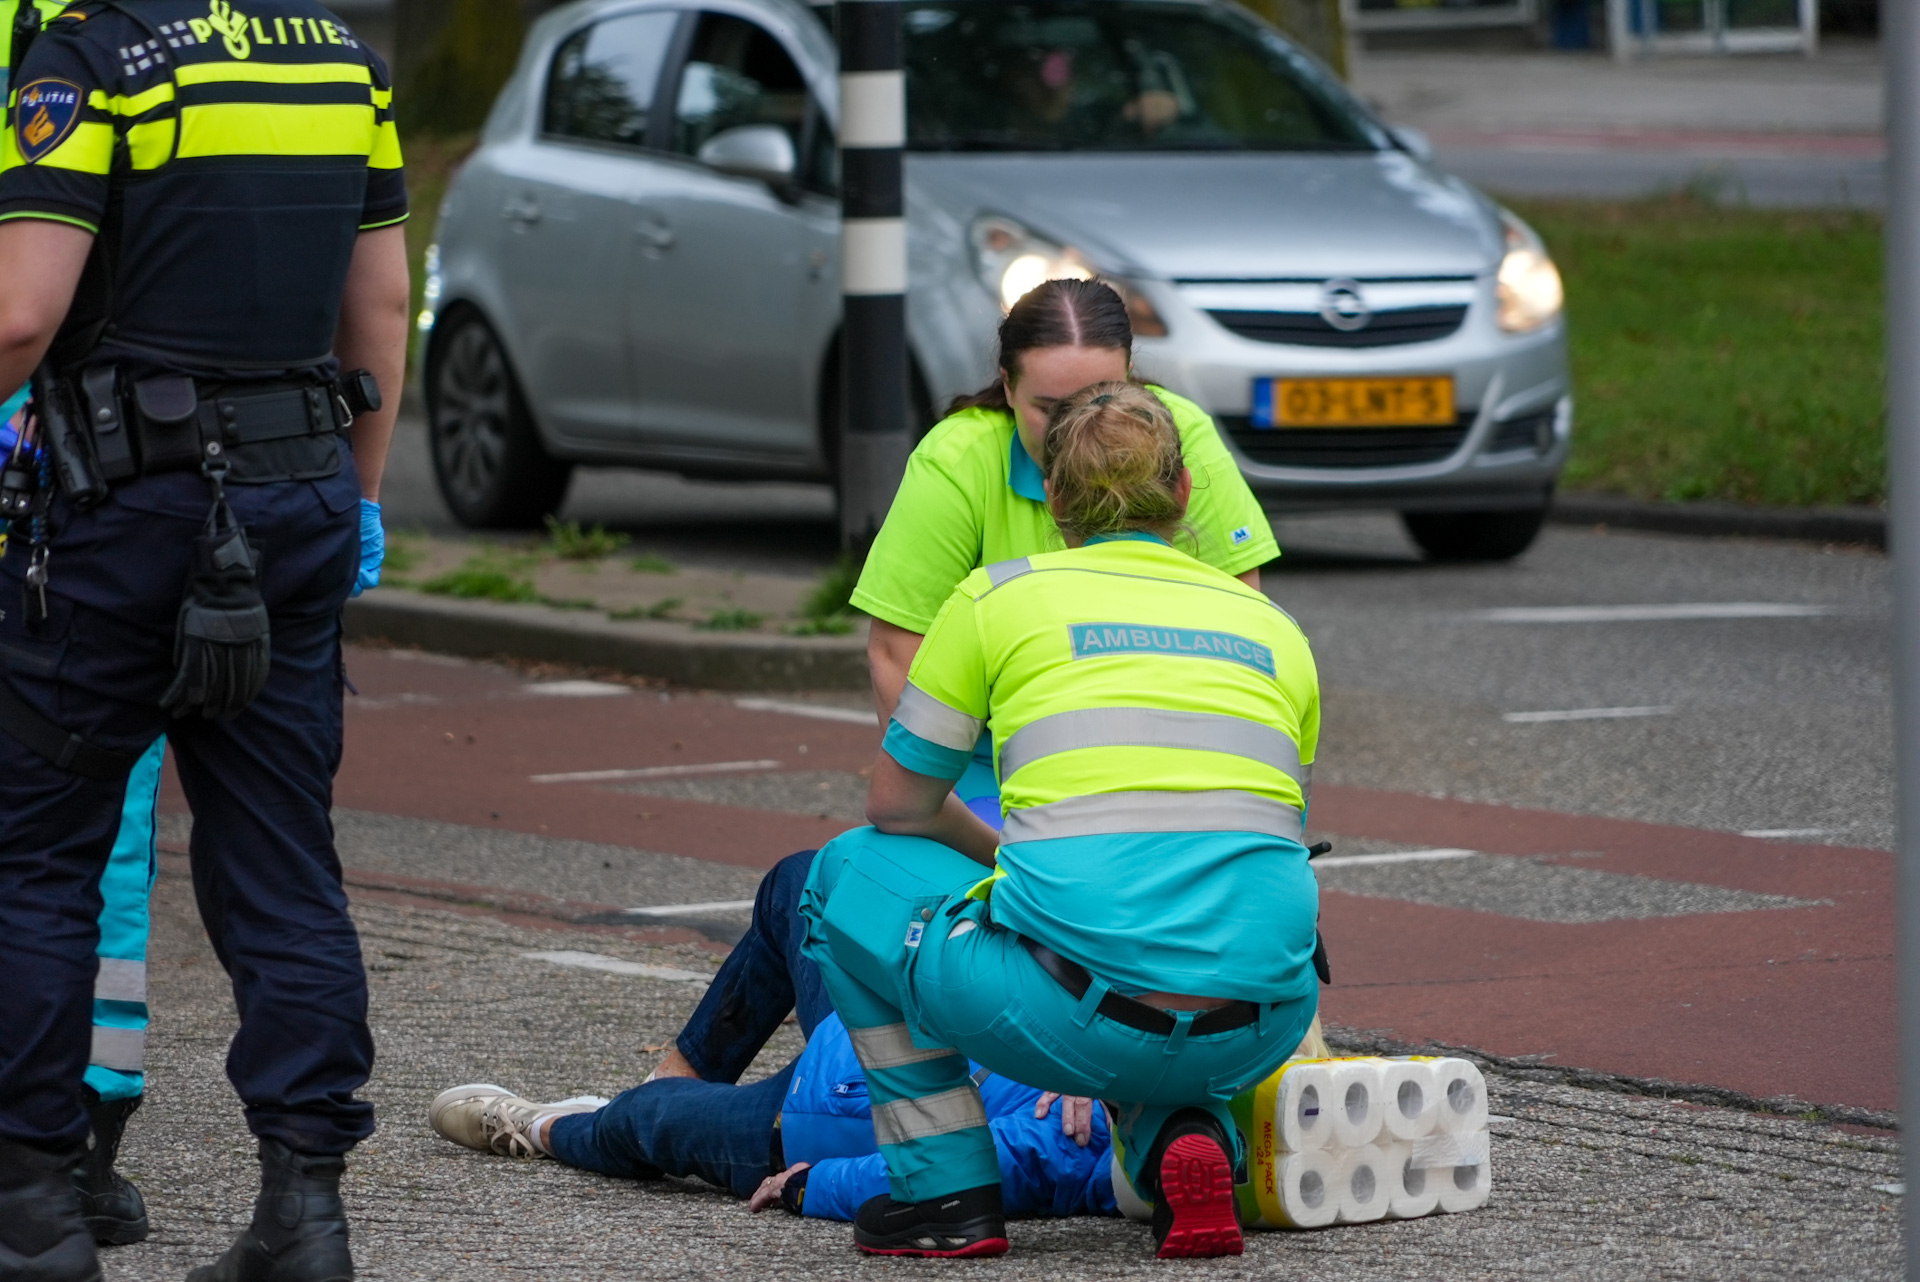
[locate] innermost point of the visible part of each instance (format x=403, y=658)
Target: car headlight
x=1529, y=283
x=430, y=289
x=1012, y=260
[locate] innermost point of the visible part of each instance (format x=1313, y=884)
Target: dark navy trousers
x=265, y=874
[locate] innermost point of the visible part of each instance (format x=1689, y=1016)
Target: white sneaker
x=493, y=1119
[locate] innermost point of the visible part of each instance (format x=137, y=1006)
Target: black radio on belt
x=359, y=391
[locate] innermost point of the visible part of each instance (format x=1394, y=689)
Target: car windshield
x=1116, y=75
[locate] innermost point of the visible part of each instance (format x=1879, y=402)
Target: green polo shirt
x=972, y=496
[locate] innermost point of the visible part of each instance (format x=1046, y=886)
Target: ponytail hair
x=1055, y=313
x=1112, y=459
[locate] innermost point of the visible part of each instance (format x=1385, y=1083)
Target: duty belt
x=168, y=423
x=1121, y=1009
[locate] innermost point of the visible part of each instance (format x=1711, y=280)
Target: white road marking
x=1395, y=857
x=683, y=910
x=1651, y=613
x=576, y=689
x=613, y=965
x=659, y=772
x=818, y=711
x=1898, y=1188
x=1587, y=714
x=1781, y=834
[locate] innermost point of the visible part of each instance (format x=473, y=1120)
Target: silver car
x=639, y=264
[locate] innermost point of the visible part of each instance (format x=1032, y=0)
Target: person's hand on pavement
x=1076, y=1114
x=373, y=548
x=770, y=1188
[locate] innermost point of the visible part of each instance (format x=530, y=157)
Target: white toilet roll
x=1463, y=1096
x=1303, y=1111
x=1363, y=1183
x=1410, y=1098
x=1356, y=1101
x=1308, y=1188
x=1463, y=1188
x=1412, y=1191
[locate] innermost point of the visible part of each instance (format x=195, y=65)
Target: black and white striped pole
x=873, y=267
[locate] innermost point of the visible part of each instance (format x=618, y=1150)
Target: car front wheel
x=1474, y=536
x=487, y=457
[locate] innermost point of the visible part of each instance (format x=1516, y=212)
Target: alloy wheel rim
x=471, y=411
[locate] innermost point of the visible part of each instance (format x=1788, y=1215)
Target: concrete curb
x=670, y=651
x=1862, y=525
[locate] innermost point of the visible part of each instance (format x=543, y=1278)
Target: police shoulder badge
x=45, y=113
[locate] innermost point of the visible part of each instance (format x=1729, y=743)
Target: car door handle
x=524, y=210
x=653, y=232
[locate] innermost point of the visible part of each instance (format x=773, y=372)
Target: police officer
x=1147, y=934
x=110, y=1203
x=199, y=209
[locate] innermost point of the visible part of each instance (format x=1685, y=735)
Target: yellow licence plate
x=1354, y=402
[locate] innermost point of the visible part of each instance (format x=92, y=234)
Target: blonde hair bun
x=1111, y=456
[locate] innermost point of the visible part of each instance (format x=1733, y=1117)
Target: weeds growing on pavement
x=566, y=540
x=731, y=621
x=1722, y=352
x=569, y=603
x=403, y=555
x=828, y=609
x=482, y=578
x=658, y=610
x=650, y=563
x=834, y=625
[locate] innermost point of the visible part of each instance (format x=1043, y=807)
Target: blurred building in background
x=1625, y=28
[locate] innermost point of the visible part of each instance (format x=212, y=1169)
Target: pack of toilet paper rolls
x=1356, y=1139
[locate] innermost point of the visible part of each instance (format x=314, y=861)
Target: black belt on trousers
x=1121, y=1009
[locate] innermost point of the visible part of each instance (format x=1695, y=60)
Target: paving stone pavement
x=1587, y=1184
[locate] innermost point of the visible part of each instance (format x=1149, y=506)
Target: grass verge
x=1722, y=352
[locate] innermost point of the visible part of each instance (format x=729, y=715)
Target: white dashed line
x=1782, y=834
x=576, y=689
x=1587, y=714
x=615, y=966
x=685, y=910
x=1651, y=613
x=1395, y=857
x=659, y=772
x=818, y=711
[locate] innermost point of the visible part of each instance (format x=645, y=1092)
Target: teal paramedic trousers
x=923, y=980
x=116, y=1066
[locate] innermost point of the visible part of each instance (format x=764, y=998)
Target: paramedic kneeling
x=1146, y=936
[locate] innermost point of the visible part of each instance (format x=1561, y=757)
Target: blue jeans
x=711, y=1128
x=764, y=977
x=678, y=1126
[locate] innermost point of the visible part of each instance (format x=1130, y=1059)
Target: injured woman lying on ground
x=802, y=1138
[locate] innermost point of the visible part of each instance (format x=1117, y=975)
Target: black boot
x=112, y=1207
x=299, y=1229
x=966, y=1223
x=42, y=1238
x=1190, y=1171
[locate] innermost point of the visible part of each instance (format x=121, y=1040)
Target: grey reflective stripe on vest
x=122, y=1049
x=1000, y=571
x=1150, y=728
x=890, y=1046
x=934, y=721
x=1105, y=814
x=959, y=1109
x=120, y=981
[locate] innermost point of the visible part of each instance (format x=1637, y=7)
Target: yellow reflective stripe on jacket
x=88, y=149
x=138, y=104
x=276, y=129
x=280, y=73
x=386, y=147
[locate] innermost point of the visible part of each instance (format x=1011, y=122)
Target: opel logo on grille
x=1343, y=307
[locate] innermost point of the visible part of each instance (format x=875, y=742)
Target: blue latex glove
x=373, y=548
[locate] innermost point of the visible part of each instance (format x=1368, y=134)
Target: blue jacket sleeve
x=836, y=1186
x=1043, y=1172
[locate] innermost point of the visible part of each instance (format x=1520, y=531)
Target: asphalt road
x=1764, y=723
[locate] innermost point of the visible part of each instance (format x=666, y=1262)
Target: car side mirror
x=752, y=151
x=1413, y=141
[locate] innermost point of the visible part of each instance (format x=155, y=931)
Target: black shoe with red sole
x=957, y=1226
x=1194, y=1216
